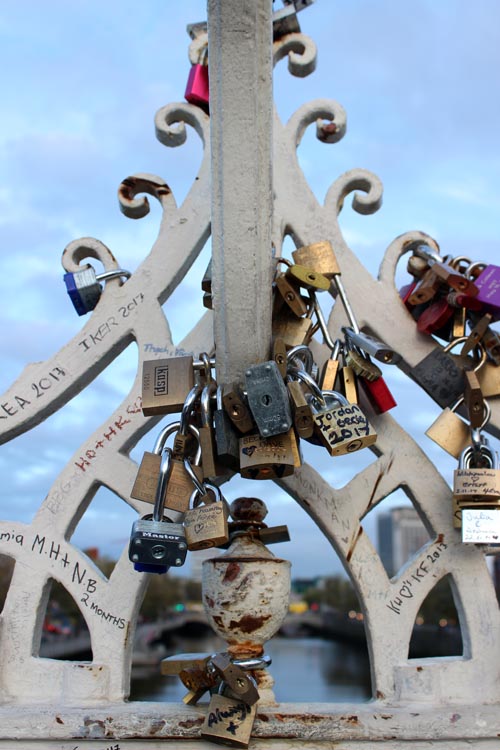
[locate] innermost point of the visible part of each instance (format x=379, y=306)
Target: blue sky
x=81, y=83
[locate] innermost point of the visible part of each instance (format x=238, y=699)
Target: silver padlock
x=84, y=289
x=268, y=399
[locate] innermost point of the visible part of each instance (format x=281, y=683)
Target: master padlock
x=156, y=542
x=84, y=289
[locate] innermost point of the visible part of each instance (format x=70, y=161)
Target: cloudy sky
x=81, y=83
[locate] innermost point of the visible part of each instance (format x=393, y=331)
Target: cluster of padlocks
x=457, y=300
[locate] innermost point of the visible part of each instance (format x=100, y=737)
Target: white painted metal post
x=240, y=60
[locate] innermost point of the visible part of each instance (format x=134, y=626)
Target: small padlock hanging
x=156, y=542
x=206, y=523
x=476, y=494
x=197, y=87
x=84, y=289
x=229, y=719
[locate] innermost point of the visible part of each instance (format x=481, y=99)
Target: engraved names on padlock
x=229, y=721
x=481, y=526
x=480, y=483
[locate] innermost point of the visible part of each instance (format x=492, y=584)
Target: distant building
x=400, y=534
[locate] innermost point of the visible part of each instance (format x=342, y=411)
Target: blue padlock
x=84, y=288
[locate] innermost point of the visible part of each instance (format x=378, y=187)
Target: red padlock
x=378, y=394
x=197, y=89
x=435, y=316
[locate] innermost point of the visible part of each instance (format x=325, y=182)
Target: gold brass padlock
x=165, y=384
x=451, y=433
x=340, y=426
x=229, y=721
x=268, y=458
x=206, y=525
x=319, y=256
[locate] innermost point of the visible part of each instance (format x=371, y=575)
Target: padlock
x=319, y=256
x=435, y=316
x=84, y=289
x=226, y=437
x=279, y=355
x=305, y=277
x=302, y=415
x=347, y=382
x=229, y=720
x=473, y=398
x=289, y=290
x=194, y=671
x=426, y=289
x=300, y=356
x=156, y=543
x=491, y=343
x=166, y=384
x=294, y=331
x=378, y=394
x=450, y=432
x=446, y=272
x=459, y=324
x=372, y=346
x=197, y=87
x=269, y=458
x=440, y=375
x=236, y=407
x=149, y=470
x=239, y=682
x=476, y=334
x=341, y=427
x=488, y=284
x=476, y=488
x=268, y=399
x=206, y=525
x=329, y=371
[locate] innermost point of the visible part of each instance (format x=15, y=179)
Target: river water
x=304, y=670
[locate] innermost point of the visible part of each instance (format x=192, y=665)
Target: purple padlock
x=488, y=283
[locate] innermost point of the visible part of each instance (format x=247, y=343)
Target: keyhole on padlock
x=266, y=399
x=158, y=552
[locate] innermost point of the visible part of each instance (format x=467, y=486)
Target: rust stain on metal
x=380, y=695
x=249, y=623
x=440, y=538
x=59, y=720
x=455, y=718
x=386, y=716
x=156, y=726
x=263, y=717
x=350, y=719
x=127, y=632
x=218, y=620
x=383, y=471
x=419, y=669
x=304, y=718
x=350, y=552
x=231, y=573
x=210, y=602
x=190, y=723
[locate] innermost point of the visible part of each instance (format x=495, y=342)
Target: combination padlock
x=156, y=542
x=84, y=288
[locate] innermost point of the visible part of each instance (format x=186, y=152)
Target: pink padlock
x=197, y=89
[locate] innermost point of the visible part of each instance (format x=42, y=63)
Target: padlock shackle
x=206, y=487
x=169, y=430
x=296, y=373
x=161, y=487
x=189, y=403
x=205, y=398
x=119, y=273
x=303, y=354
x=321, y=321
